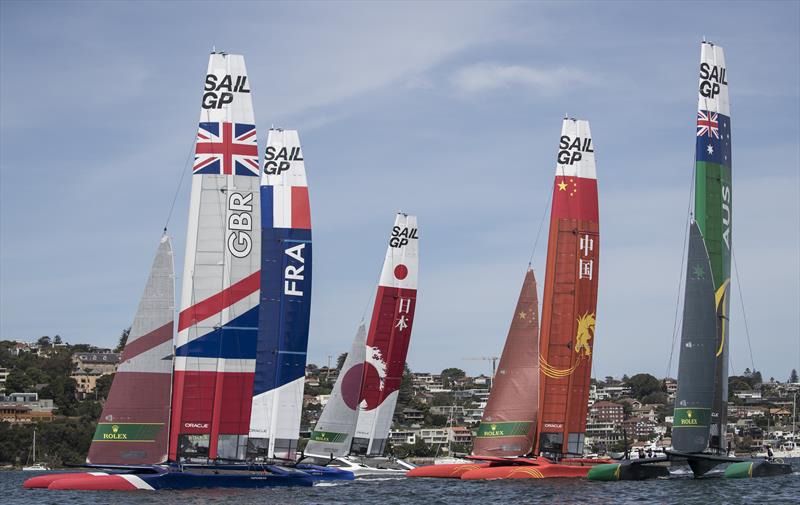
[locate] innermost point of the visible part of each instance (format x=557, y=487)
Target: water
x=390, y=491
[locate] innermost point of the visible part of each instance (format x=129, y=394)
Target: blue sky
x=447, y=110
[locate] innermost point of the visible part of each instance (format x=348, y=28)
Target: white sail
x=334, y=431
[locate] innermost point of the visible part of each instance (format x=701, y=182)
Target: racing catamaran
x=353, y=429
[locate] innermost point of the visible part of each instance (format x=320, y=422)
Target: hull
x=181, y=480
x=450, y=471
x=539, y=468
x=43, y=481
x=750, y=469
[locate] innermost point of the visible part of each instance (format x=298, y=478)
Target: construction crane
x=493, y=359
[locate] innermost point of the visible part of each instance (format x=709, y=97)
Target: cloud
x=489, y=76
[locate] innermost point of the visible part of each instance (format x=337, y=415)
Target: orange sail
x=570, y=296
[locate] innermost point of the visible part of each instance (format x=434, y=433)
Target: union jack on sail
x=707, y=124
x=233, y=152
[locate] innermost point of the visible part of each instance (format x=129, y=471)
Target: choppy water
x=391, y=491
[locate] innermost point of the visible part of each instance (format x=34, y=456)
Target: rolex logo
x=494, y=427
x=115, y=428
x=688, y=413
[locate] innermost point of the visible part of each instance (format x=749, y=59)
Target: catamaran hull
x=224, y=476
x=179, y=480
x=528, y=471
x=449, y=471
x=750, y=469
x=629, y=470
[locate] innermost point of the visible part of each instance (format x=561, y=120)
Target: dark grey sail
x=695, y=396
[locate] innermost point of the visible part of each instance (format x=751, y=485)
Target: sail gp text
x=219, y=92
x=571, y=150
x=401, y=236
x=240, y=224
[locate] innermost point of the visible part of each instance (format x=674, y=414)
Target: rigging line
x=744, y=315
x=180, y=182
x=541, y=222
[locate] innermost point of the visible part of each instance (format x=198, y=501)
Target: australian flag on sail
x=226, y=149
x=713, y=138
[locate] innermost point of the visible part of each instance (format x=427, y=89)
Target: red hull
x=452, y=471
x=44, y=481
x=93, y=483
x=537, y=471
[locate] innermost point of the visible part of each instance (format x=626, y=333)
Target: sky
x=450, y=111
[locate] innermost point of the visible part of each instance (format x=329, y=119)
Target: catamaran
x=226, y=382
x=701, y=401
x=353, y=429
x=535, y=420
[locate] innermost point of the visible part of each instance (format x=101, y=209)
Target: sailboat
x=204, y=441
x=353, y=429
x=36, y=466
x=535, y=420
x=700, y=418
x=508, y=426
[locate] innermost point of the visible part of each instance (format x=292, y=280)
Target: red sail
x=134, y=426
x=509, y=420
x=570, y=296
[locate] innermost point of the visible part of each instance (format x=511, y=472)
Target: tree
x=406, y=391
x=103, y=386
x=643, y=384
x=17, y=381
x=656, y=397
x=43, y=341
x=449, y=374
x=340, y=360
x=57, y=340
x=793, y=376
x=123, y=339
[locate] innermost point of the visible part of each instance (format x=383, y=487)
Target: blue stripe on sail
x=235, y=340
x=284, y=317
x=266, y=208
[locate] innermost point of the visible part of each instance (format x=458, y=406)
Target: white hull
x=368, y=467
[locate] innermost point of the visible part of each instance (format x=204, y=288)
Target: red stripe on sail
x=391, y=338
x=147, y=342
x=214, y=304
x=575, y=198
x=301, y=213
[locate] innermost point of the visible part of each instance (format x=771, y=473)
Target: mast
x=713, y=210
x=696, y=393
x=334, y=431
x=508, y=425
x=570, y=296
x=285, y=299
x=216, y=342
x=134, y=426
x=388, y=337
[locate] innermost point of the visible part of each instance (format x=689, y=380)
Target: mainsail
x=695, y=395
x=334, y=431
x=570, y=295
x=508, y=425
x=285, y=299
x=133, y=428
x=388, y=337
x=713, y=211
x=216, y=343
